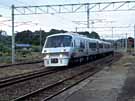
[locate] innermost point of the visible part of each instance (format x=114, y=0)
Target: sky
x=46, y=22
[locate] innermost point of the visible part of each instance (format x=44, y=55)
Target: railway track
x=23, y=63
x=10, y=81
x=48, y=92
x=27, y=76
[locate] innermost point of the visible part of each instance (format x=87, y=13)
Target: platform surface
x=113, y=83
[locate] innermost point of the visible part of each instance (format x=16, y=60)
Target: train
x=63, y=49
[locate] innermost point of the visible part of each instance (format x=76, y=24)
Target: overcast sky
x=65, y=21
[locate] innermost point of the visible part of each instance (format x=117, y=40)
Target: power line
x=110, y=27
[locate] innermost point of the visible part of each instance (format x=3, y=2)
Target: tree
x=29, y=37
x=54, y=31
x=24, y=37
x=85, y=33
x=94, y=35
x=90, y=35
x=34, y=37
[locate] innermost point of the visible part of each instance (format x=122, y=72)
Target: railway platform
x=114, y=83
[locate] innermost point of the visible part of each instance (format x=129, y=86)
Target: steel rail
x=107, y=60
x=31, y=75
x=64, y=89
x=60, y=82
x=23, y=63
x=50, y=86
x=27, y=76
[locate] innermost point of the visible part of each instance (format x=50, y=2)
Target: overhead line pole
x=40, y=40
x=126, y=43
x=88, y=14
x=112, y=36
x=76, y=29
x=13, y=36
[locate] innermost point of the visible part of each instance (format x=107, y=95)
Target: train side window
x=77, y=43
x=97, y=45
x=108, y=46
x=92, y=45
x=100, y=45
x=74, y=44
x=89, y=45
x=82, y=44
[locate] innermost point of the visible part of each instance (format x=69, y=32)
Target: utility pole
x=92, y=23
x=123, y=43
x=40, y=40
x=13, y=36
x=88, y=14
x=76, y=29
x=112, y=38
x=126, y=43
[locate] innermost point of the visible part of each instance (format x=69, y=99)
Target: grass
x=20, y=58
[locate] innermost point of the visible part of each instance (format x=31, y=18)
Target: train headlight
x=47, y=56
x=61, y=55
x=62, y=50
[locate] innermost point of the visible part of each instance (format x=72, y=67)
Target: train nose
x=56, y=59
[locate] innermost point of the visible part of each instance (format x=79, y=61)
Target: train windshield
x=58, y=41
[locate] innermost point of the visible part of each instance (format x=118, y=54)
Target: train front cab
x=57, y=50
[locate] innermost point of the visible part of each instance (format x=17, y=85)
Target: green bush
x=5, y=50
x=35, y=49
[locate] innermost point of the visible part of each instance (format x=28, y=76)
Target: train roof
x=68, y=33
x=77, y=35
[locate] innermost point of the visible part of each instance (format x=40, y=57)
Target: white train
x=65, y=48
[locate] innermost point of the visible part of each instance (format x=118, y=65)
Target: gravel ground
x=22, y=88
x=13, y=91
x=14, y=70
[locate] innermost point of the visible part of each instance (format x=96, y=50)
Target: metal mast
x=13, y=36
